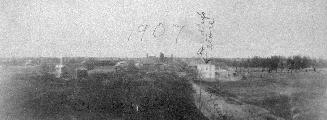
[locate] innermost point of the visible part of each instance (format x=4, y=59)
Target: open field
x=297, y=96
x=27, y=94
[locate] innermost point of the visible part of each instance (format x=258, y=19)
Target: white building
x=206, y=71
x=122, y=64
x=61, y=70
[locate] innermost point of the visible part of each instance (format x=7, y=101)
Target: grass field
x=297, y=96
x=27, y=94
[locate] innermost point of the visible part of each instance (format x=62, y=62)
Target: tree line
x=272, y=63
x=279, y=62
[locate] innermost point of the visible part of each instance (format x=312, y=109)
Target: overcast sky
x=101, y=28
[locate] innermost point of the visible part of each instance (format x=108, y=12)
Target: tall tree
x=162, y=57
x=297, y=62
x=274, y=62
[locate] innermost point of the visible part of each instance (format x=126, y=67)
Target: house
x=206, y=71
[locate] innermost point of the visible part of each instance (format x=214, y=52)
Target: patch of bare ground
x=228, y=108
x=296, y=96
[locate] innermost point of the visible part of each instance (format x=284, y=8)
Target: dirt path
x=216, y=107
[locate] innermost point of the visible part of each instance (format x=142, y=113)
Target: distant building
x=149, y=61
x=138, y=65
x=206, y=71
x=122, y=65
x=160, y=66
x=61, y=70
x=29, y=63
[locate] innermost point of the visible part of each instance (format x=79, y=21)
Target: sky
x=113, y=28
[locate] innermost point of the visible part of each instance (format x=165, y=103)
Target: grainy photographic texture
x=163, y=59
